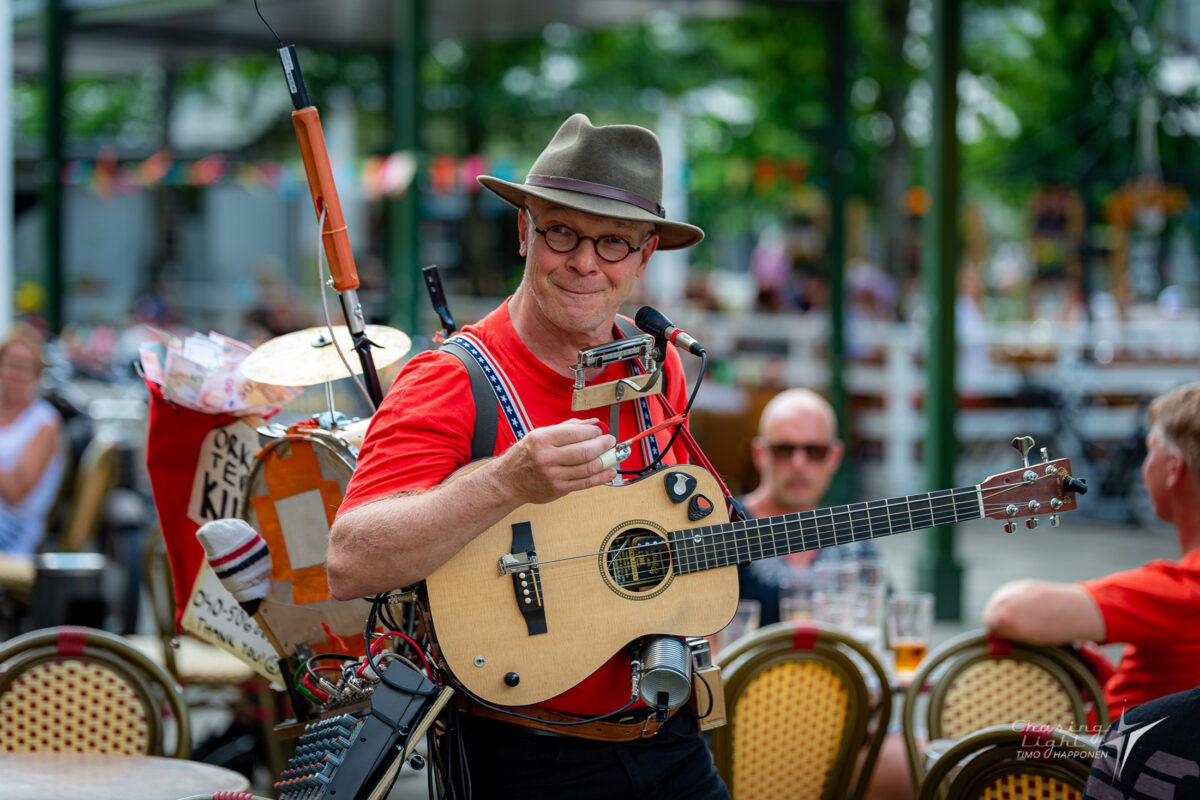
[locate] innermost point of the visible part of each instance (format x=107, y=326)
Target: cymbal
x=308, y=357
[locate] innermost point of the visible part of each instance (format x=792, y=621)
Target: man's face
x=578, y=292
x=797, y=454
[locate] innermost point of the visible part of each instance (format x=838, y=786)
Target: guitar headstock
x=1031, y=491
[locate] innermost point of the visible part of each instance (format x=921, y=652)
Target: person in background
x=1154, y=608
x=1152, y=750
x=31, y=457
x=797, y=453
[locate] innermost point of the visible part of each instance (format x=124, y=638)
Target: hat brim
x=671, y=235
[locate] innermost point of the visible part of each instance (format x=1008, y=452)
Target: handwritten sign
x=214, y=616
x=221, y=471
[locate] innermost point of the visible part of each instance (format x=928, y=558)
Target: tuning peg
x=1023, y=444
x=1031, y=523
x=1073, y=484
x=1010, y=527
x=1054, y=520
x=1045, y=454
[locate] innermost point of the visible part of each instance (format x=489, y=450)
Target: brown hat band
x=598, y=190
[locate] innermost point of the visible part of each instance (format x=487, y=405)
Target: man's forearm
x=399, y=540
x=1043, y=612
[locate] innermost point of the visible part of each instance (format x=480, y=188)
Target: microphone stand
x=343, y=273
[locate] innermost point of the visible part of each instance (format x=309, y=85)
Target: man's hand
x=553, y=461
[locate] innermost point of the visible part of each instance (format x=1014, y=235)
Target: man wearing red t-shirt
x=589, y=218
x=1154, y=608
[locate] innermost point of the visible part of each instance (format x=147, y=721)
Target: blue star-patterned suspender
x=485, y=375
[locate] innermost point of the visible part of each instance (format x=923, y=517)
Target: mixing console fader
x=349, y=757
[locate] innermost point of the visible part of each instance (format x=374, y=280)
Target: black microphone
x=654, y=322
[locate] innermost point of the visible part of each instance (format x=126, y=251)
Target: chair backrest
x=83, y=689
x=1006, y=762
x=800, y=701
x=156, y=574
x=97, y=474
x=974, y=681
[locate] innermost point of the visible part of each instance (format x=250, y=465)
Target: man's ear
x=522, y=231
x=758, y=452
x=836, y=450
x=647, y=250
x=1177, y=469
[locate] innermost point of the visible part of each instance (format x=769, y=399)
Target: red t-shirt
x=1156, y=609
x=422, y=433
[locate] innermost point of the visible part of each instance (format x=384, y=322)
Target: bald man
x=796, y=453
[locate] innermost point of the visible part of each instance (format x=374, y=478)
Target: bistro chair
x=87, y=690
x=975, y=681
x=802, y=701
x=213, y=673
x=99, y=468
x=1006, y=762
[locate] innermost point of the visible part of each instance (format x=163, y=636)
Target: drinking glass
x=909, y=625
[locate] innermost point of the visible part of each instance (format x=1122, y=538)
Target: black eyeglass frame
x=579, y=238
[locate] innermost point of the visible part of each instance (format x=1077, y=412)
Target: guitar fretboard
x=713, y=546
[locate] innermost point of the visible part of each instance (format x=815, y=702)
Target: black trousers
x=508, y=761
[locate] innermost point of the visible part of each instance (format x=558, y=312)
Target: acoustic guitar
x=540, y=600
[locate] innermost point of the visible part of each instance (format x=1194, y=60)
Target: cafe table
x=105, y=776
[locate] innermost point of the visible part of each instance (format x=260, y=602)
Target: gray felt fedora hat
x=611, y=171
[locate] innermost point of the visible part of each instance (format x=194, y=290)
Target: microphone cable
x=678, y=427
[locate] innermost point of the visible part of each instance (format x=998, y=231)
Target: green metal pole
x=52, y=165
x=839, y=167
x=938, y=571
x=403, y=214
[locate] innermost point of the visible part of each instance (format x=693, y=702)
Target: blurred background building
x=156, y=181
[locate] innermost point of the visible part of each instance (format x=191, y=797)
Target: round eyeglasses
x=564, y=239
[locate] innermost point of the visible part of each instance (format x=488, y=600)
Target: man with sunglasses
x=589, y=217
x=797, y=453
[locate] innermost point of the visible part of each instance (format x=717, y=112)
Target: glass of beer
x=909, y=625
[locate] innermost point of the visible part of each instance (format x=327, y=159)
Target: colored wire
x=679, y=426
x=264, y=19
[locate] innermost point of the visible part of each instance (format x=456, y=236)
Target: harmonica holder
x=626, y=349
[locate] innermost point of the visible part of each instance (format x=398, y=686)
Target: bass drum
x=291, y=496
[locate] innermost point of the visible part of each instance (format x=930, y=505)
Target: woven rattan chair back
x=1004, y=762
x=86, y=690
x=973, y=682
x=801, y=701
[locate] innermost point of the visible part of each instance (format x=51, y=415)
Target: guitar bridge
x=522, y=565
x=512, y=563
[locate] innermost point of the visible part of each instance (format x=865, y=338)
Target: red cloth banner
x=185, y=489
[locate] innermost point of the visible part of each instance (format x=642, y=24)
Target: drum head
x=292, y=495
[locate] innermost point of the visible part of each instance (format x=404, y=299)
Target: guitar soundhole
x=638, y=560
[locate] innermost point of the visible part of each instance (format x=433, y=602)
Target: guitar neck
x=713, y=546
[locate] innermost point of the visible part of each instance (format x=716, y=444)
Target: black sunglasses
x=787, y=450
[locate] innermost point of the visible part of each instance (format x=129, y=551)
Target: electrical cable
x=369, y=656
x=683, y=418
x=507, y=712
x=264, y=19
x=328, y=319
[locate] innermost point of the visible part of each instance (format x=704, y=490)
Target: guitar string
x=827, y=527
